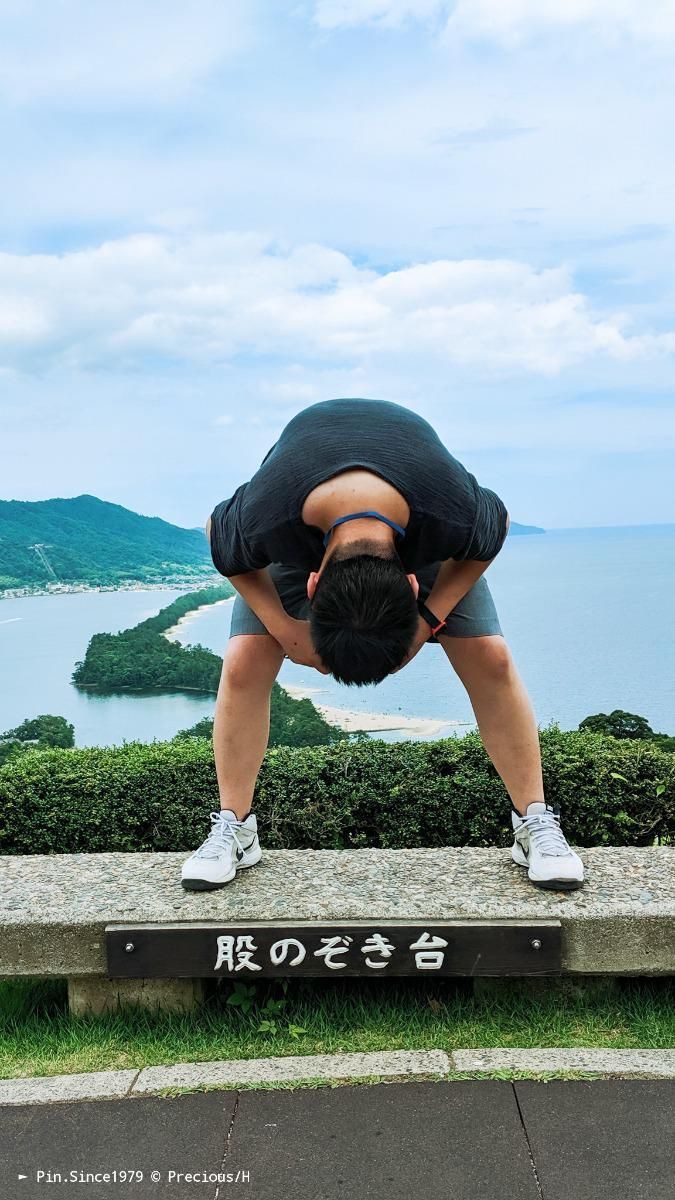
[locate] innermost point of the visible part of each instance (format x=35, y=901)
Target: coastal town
x=182, y=582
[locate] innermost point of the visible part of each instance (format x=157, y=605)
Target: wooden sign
x=260, y=949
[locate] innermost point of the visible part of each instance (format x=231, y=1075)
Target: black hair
x=363, y=614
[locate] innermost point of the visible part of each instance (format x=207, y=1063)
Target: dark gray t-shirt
x=451, y=515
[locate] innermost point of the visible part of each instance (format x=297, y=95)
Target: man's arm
x=259, y=592
x=454, y=580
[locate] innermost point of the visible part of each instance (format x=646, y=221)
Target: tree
x=619, y=724
x=292, y=723
x=45, y=730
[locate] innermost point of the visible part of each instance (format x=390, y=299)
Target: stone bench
x=54, y=909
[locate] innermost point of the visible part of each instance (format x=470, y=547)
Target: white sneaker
x=540, y=846
x=231, y=845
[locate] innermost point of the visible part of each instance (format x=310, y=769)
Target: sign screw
x=535, y=944
x=129, y=947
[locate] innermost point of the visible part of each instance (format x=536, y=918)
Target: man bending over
x=359, y=540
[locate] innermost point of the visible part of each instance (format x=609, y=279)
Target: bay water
x=588, y=614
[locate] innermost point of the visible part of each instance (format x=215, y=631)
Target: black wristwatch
x=429, y=617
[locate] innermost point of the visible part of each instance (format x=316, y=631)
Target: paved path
x=462, y=1140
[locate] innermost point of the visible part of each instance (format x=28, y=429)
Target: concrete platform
x=54, y=908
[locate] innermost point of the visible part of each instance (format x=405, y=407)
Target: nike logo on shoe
x=240, y=853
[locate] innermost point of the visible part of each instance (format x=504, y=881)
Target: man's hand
x=422, y=635
x=297, y=644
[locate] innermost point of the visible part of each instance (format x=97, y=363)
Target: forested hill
x=87, y=540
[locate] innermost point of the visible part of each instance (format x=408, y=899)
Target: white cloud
x=206, y=299
x=331, y=14
x=508, y=21
x=514, y=20
x=125, y=50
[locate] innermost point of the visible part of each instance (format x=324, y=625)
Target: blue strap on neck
x=367, y=513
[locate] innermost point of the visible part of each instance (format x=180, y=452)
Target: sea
x=589, y=616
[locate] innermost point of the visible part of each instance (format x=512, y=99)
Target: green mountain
x=87, y=540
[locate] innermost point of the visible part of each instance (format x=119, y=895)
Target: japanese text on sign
x=240, y=953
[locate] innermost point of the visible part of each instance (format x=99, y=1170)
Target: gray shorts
x=474, y=616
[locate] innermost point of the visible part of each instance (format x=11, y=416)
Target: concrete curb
x=408, y=1063
x=610, y=1064
x=95, y=1085
x=405, y=1064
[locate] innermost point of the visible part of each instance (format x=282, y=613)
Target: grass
x=379, y=1080
x=279, y=1017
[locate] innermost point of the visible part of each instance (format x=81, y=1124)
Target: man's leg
x=503, y=712
x=241, y=722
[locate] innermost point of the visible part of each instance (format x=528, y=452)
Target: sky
x=213, y=215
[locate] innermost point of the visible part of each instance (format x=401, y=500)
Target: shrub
x=155, y=796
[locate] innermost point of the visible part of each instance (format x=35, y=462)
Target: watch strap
x=430, y=618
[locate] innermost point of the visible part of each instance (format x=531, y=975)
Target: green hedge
x=157, y=796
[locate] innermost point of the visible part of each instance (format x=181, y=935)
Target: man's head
x=363, y=612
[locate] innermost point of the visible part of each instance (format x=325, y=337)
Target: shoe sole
x=554, y=885
x=209, y=885
x=558, y=885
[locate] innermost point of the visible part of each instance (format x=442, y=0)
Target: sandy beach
x=189, y=616
x=351, y=720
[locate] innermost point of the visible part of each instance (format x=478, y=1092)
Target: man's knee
x=487, y=656
x=251, y=660
x=492, y=656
